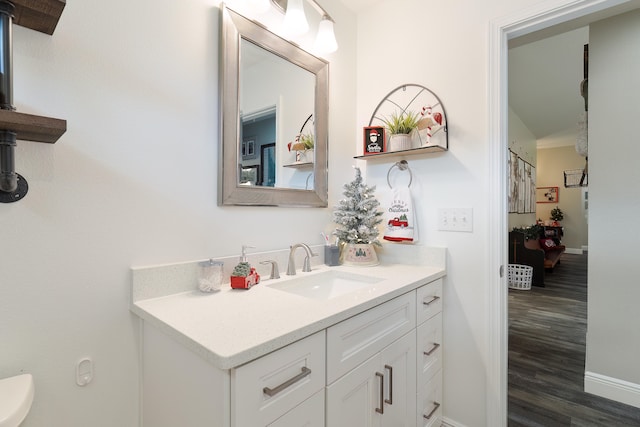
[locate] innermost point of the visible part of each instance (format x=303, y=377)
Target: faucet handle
x=275, y=273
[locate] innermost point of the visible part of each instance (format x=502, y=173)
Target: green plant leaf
x=404, y=122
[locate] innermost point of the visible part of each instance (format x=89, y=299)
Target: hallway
x=547, y=329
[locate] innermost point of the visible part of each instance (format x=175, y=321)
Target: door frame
x=538, y=17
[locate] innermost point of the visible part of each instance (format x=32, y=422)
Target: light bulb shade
x=326, y=38
x=295, y=21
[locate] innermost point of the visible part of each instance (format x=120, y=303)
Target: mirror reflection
x=276, y=101
x=274, y=105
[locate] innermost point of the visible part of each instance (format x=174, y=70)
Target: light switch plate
x=455, y=219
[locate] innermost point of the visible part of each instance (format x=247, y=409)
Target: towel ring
x=403, y=166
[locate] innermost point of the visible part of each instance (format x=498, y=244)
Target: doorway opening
x=535, y=23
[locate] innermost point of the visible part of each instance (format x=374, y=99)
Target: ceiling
x=544, y=86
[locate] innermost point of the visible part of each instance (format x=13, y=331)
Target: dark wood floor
x=547, y=329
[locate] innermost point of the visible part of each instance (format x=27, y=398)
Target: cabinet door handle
x=380, y=410
x=436, y=405
x=431, y=301
x=390, y=399
x=434, y=348
x=273, y=391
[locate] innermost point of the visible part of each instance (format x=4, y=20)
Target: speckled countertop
x=232, y=327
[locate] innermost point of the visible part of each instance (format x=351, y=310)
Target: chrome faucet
x=291, y=268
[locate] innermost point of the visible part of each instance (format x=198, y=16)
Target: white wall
x=132, y=182
x=444, y=46
x=614, y=193
x=552, y=162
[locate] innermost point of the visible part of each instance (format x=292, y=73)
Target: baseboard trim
x=573, y=251
x=446, y=422
x=612, y=388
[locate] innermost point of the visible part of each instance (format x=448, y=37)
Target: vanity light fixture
x=295, y=22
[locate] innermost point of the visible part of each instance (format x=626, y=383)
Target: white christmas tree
x=357, y=214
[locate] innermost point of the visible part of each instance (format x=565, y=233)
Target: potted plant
x=303, y=143
x=530, y=233
x=358, y=217
x=556, y=215
x=400, y=127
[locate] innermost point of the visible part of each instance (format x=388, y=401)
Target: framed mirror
x=274, y=108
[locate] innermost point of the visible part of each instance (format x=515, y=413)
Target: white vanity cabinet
x=429, y=354
x=381, y=390
x=267, y=388
x=379, y=367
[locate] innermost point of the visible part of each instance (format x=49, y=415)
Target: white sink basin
x=325, y=285
x=16, y=396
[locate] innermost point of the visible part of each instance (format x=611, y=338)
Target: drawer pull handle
x=434, y=348
x=273, y=391
x=436, y=405
x=380, y=410
x=390, y=399
x=431, y=301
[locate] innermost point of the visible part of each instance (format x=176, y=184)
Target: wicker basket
x=520, y=276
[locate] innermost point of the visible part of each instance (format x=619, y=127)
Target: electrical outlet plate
x=455, y=219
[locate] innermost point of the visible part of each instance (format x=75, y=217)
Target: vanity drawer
x=429, y=402
x=429, y=300
x=429, y=348
x=266, y=388
x=309, y=413
x=351, y=342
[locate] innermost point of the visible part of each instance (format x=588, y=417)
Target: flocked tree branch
x=357, y=214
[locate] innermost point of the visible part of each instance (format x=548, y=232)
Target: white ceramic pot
x=400, y=141
x=359, y=254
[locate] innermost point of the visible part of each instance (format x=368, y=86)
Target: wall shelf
x=33, y=128
x=42, y=16
x=300, y=165
x=431, y=134
x=409, y=152
x=38, y=15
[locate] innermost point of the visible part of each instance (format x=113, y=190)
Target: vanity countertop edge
x=232, y=327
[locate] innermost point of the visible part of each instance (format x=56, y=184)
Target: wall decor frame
x=249, y=148
x=522, y=185
x=530, y=179
x=374, y=141
x=513, y=181
x=249, y=175
x=547, y=195
x=267, y=165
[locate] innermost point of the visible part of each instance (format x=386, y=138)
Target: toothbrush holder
x=332, y=255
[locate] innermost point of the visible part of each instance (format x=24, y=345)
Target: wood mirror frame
x=235, y=28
